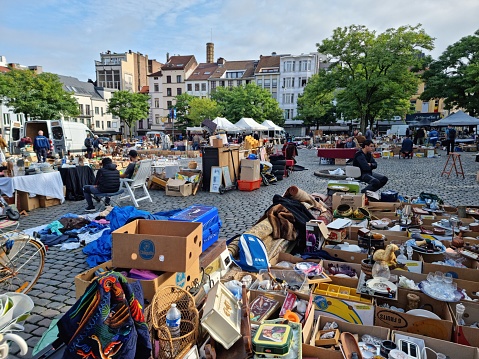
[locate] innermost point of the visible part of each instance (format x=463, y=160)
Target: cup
x=385, y=347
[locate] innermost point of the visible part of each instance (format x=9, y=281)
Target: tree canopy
x=373, y=72
x=455, y=76
x=202, y=109
x=129, y=107
x=37, y=96
x=248, y=101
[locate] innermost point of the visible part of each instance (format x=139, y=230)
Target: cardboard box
x=250, y=170
x=157, y=245
x=27, y=203
x=467, y=274
x=435, y=328
x=448, y=348
x=354, y=200
x=179, y=279
x=340, y=161
x=217, y=142
x=465, y=334
x=178, y=188
x=46, y=201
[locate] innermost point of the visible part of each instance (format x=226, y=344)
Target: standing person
x=256, y=135
x=96, y=144
x=433, y=137
x=89, y=146
x=3, y=147
x=421, y=136
x=451, y=139
x=131, y=166
x=408, y=132
x=107, y=180
x=366, y=162
x=41, y=145
x=196, y=142
x=369, y=134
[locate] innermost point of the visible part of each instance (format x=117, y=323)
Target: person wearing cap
x=131, y=167
x=107, y=180
x=96, y=144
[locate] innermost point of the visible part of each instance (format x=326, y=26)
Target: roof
x=203, y=72
x=178, y=62
x=145, y=89
x=156, y=74
x=72, y=84
x=4, y=69
x=247, y=65
x=268, y=63
x=458, y=118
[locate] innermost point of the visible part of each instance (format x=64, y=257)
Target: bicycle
x=22, y=259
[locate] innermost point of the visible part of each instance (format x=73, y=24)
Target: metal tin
x=272, y=339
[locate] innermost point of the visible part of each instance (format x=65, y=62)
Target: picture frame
x=216, y=179
x=227, y=176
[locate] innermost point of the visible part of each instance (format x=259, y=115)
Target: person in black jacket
x=107, y=180
x=366, y=162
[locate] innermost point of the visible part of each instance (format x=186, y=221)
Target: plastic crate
x=248, y=185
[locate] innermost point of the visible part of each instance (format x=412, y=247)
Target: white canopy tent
x=194, y=129
x=225, y=125
x=272, y=126
x=249, y=125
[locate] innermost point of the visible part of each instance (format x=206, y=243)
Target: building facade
x=267, y=74
x=197, y=83
x=232, y=73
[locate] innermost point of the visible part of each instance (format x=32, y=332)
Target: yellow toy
x=387, y=255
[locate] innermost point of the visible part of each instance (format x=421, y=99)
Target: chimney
x=210, y=52
x=167, y=56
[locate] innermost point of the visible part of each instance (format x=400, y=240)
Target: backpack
x=252, y=253
x=87, y=142
x=451, y=133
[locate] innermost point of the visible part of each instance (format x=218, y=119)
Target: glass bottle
x=460, y=308
x=381, y=270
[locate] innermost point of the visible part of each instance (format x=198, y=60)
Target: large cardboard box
x=46, y=201
x=392, y=319
x=250, y=170
x=178, y=188
x=354, y=200
x=465, y=334
x=27, y=203
x=452, y=350
x=217, y=142
x=157, y=245
x=179, y=279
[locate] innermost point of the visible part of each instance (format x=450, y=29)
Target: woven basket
x=169, y=347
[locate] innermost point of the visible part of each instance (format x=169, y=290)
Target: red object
x=248, y=185
x=288, y=167
x=337, y=152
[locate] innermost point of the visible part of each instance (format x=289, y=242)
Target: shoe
x=107, y=201
x=90, y=209
x=96, y=198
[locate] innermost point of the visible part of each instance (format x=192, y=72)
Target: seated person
x=107, y=180
x=131, y=166
x=407, y=147
x=291, y=152
x=366, y=162
x=350, y=143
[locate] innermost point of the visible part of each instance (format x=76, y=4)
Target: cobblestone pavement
x=54, y=293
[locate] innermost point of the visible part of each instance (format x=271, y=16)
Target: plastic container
x=248, y=185
x=173, y=320
x=272, y=339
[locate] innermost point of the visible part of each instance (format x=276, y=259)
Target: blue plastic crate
x=208, y=215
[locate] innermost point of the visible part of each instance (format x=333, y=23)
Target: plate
x=423, y=313
x=424, y=251
x=378, y=224
x=381, y=285
x=433, y=210
x=450, y=299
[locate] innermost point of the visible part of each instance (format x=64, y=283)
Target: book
x=262, y=307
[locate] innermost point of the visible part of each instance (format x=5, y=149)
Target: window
x=178, y=78
x=222, y=83
x=81, y=109
x=108, y=124
x=169, y=104
x=303, y=81
x=259, y=82
x=6, y=119
x=288, y=66
x=168, y=79
x=97, y=124
x=140, y=124
x=87, y=109
x=234, y=74
x=239, y=82
x=155, y=78
x=274, y=95
x=168, y=91
x=213, y=85
x=412, y=105
x=97, y=110
x=288, y=114
x=109, y=79
x=178, y=91
x=189, y=87
x=157, y=103
x=102, y=111
x=157, y=87
x=288, y=98
x=197, y=87
x=267, y=83
x=203, y=87
x=305, y=65
x=288, y=82
x=230, y=83
x=157, y=119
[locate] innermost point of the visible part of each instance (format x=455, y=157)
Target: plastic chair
x=353, y=173
x=138, y=181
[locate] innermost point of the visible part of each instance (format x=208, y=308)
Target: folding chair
x=138, y=181
x=111, y=196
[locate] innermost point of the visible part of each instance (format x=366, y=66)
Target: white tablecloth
x=45, y=184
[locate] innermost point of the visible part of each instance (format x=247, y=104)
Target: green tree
x=182, y=107
x=129, y=107
x=373, y=71
x=201, y=109
x=455, y=76
x=315, y=105
x=248, y=101
x=37, y=96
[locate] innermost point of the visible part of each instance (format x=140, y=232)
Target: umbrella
x=210, y=125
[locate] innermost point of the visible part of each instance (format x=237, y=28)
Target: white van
x=65, y=136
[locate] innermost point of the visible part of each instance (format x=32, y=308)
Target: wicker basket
x=169, y=347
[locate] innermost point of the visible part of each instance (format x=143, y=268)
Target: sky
x=67, y=37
